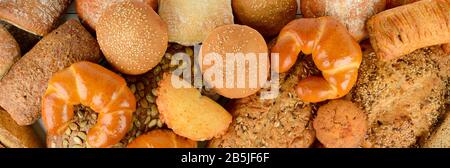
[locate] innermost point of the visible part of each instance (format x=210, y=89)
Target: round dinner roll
x=266, y=16
x=132, y=37
x=190, y=21
x=234, y=39
x=91, y=10
x=352, y=13
x=9, y=51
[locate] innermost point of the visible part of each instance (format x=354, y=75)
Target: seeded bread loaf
x=402, y=98
x=9, y=51
x=440, y=138
x=37, y=17
x=21, y=89
x=15, y=136
x=283, y=122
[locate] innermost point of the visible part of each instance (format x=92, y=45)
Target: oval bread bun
x=91, y=10
x=352, y=13
x=132, y=37
x=268, y=17
x=9, y=51
x=190, y=21
x=234, y=39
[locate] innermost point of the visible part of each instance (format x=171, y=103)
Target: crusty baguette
x=402, y=98
x=37, y=17
x=15, y=136
x=400, y=31
x=9, y=51
x=21, y=89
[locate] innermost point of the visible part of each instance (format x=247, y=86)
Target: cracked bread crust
x=402, y=98
x=278, y=123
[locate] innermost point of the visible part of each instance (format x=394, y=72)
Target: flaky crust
x=15, y=136
x=402, y=98
x=37, y=17
x=399, y=31
x=191, y=21
x=277, y=123
x=21, y=89
x=9, y=51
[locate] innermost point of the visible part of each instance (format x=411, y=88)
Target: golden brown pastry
x=190, y=22
x=22, y=88
x=188, y=113
x=91, y=85
x=15, y=136
x=235, y=39
x=132, y=37
x=9, y=51
x=400, y=31
x=283, y=122
x=91, y=10
x=333, y=50
x=402, y=98
x=161, y=139
x=145, y=119
x=268, y=17
x=352, y=13
x=37, y=17
x=340, y=124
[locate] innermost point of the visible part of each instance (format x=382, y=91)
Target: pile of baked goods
x=155, y=74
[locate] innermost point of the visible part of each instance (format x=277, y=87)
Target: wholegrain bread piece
x=15, y=136
x=37, y=17
x=9, y=51
x=399, y=31
x=440, y=138
x=275, y=123
x=402, y=98
x=21, y=89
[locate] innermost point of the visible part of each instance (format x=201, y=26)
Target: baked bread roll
x=352, y=13
x=9, y=51
x=283, y=122
x=400, y=31
x=402, y=98
x=37, y=17
x=234, y=39
x=340, y=124
x=132, y=37
x=25, y=40
x=15, y=136
x=190, y=22
x=22, y=88
x=268, y=17
x=90, y=11
x=440, y=138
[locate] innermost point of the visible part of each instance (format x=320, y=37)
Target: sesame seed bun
x=268, y=17
x=234, y=39
x=91, y=10
x=132, y=37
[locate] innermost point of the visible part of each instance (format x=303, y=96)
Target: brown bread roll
x=37, y=17
x=15, y=136
x=9, y=51
x=21, y=89
x=266, y=16
x=91, y=10
x=352, y=13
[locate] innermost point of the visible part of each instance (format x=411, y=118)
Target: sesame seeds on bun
x=235, y=39
x=132, y=36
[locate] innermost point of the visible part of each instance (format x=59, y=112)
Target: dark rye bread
x=16, y=136
x=37, y=17
x=283, y=122
x=21, y=89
